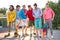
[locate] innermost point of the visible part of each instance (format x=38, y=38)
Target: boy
x=48, y=16
x=11, y=16
x=38, y=21
x=17, y=20
x=23, y=18
x=31, y=18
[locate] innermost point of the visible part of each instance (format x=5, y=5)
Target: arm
x=44, y=17
x=14, y=15
x=27, y=16
x=53, y=14
x=7, y=16
x=33, y=14
x=41, y=13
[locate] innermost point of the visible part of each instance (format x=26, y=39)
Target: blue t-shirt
x=22, y=14
x=17, y=13
x=37, y=13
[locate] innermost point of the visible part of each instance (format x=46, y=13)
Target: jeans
x=49, y=25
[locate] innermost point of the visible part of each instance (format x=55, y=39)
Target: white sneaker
x=52, y=37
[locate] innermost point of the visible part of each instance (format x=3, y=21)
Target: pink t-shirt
x=48, y=14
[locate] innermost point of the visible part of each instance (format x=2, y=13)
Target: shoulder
x=38, y=8
x=14, y=10
x=21, y=9
x=50, y=8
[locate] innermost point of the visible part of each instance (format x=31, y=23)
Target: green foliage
x=3, y=22
x=3, y=10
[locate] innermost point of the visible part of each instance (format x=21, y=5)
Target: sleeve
x=52, y=12
x=20, y=13
x=27, y=14
x=14, y=15
x=44, y=14
x=8, y=16
x=40, y=12
x=33, y=14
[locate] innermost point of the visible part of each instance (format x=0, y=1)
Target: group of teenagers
x=30, y=18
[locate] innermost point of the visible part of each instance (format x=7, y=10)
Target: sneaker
x=16, y=34
x=46, y=36
x=23, y=35
x=34, y=33
x=52, y=37
x=30, y=35
x=7, y=35
x=26, y=34
x=40, y=36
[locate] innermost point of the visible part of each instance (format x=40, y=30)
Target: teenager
x=37, y=19
x=11, y=16
x=48, y=16
x=31, y=18
x=17, y=21
x=23, y=18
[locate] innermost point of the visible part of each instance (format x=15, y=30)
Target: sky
x=6, y=3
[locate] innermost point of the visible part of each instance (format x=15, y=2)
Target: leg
x=26, y=24
x=40, y=26
x=26, y=29
x=47, y=22
x=34, y=30
x=9, y=28
x=17, y=25
x=9, y=25
x=16, y=31
x=50, y=26
x=22, y=30
x=36, y=25
x=31, y=26
x=30, y=30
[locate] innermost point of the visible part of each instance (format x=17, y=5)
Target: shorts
x=38, y=23
x=31, y=23
x=17, y=21
x=24, y=22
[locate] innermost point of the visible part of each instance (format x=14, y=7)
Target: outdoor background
x=54, y=4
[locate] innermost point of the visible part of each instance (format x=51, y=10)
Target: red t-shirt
x=30, y=15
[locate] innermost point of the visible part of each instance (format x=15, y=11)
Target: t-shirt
x=11, y=16
x=30, y=14
x=37, y=13
x=17, y=13
x=48, y=13
x=22, y=14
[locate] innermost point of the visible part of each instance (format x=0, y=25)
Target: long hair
x=12, y=8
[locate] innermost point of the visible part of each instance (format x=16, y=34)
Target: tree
x=3, y=10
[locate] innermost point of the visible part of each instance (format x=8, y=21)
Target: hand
x=19, y=18
x=44, y=22
x=52, y=19
x=27, y=19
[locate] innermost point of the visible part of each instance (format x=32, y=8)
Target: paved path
x=56, y=34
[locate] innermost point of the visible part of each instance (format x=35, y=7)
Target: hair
x=23, y=6
x=12, y=8
x=35, y=4
x=17, y=6
x=47, y=4
x=29, y=5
